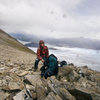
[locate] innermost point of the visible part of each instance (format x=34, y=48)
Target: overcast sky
x=51, y=18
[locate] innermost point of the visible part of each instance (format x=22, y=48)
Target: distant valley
x=63, y=42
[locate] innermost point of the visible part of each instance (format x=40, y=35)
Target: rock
x=96, y=78
x=91, y=75
x=34, y=79
x=2, y=62
x=53, y=77
x=30, y=87
x=54, y=87
x=14, y=86
x=34, y=96
x=22, y=73
x=19, y=96
x=9, y=64
x=41, y=93
x=95, y=96
x=64, y=79
x=19, y=72
x=3, y=95
x=15, y=77
x=80, y=94
x=64, y=94
x=4, y=69
x=0, y=83
x=73, y=76
x=85, y=72
x=84, y=90
x=71, y=64
x=50, y=88
x=52, y=96
x=63, y=72
x=68, y=73
x=12, y=83
x=14, y=70
x=10, y=97
x=58, y=97
x=84, y=94
x=23, y=95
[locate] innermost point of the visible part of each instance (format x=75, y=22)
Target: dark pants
x=37, y=62
x=48, y=73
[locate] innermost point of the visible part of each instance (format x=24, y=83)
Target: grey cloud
x=51, y=18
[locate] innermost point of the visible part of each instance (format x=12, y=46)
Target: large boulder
x=34, y=79
x=68, y=73
x=84, y=90
x=56, y=87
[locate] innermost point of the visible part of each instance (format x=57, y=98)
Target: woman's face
x=42, y=44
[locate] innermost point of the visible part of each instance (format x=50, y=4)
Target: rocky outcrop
x=84, y=84
x=71, y=83
x=6, y=41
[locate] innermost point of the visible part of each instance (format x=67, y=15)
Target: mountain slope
x=7, y=40
x=12, y=51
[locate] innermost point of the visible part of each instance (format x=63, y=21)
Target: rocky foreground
x=19, y=82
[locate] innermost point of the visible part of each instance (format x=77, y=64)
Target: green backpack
x=53, y=64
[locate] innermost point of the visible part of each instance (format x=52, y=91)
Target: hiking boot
x=42, y=74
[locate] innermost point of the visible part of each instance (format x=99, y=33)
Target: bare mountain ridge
x=7, y=40
x=12, y=51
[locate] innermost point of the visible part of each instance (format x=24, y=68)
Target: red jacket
x=42, y=52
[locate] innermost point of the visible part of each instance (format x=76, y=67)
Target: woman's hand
x=42, y=60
